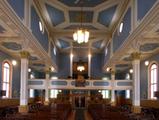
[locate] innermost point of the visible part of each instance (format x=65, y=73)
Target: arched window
x=6, y=81
x=153, y=80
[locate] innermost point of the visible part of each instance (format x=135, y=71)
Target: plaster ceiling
x=63, y=17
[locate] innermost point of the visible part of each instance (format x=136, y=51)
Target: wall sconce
x=52, y=69
x=146, y=63
x=29, y=70
x=131, y=70
x=108, y=69
x=14, y=62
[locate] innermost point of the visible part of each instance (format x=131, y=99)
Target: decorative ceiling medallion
x=149, y=47
x=38, y=65
x=33, y=58
x=12, y=46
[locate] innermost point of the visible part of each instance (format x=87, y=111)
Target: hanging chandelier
x=81, y=35
x=81, y=68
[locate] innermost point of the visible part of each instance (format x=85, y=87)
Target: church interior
x=79, y=59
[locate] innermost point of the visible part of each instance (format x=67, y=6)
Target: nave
x=65, y=111
x=101, y=56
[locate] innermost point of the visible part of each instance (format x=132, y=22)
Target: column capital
x=112, y=72
x=24, y=54
x=135, y=56
x=47, y=71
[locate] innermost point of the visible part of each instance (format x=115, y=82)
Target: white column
x=46, y=88
x=136, y=83
x=71, y=61
x=113, y=91
x=89, y=66
x=24, y=82
x=71, y=64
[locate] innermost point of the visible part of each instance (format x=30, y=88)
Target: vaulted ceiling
x=63, y=17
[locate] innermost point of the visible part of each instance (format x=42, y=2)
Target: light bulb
x=146, y=63
x=131, y=70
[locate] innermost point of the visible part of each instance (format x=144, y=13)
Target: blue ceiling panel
x=84, y=3
x=146, y=6
x=18, y=7
x=56, y=15
x=105, y=16
x=97, y=44
x=88, y=27
x=75, y=16
x=63, y=43
x=2, y=30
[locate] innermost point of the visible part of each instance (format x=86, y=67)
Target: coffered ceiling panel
x=105, y=16
x=56, y=15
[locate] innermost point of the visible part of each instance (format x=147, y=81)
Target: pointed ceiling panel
x=105, y=16
x=97, y=44
x=64, y=44
x=56, y=15
x=85, y=3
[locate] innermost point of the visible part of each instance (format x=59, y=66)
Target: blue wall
x=119, y=38
x=53, y=56
x=143, y=6
x=144, y=76
x=96, y=66
x=63, y=65
x=18, y=7
x=106, y=58
x=15, y=75
x=41, y=37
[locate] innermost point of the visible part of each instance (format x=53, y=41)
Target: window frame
x=149, y=78
x=10, y=78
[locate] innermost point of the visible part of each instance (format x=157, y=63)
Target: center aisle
x=79, y=114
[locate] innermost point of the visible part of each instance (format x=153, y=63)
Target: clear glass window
x=6, y=79
x=153, y=80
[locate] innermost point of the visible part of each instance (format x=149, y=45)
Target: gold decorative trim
x=24, y=54
x=113, y=72
x=135, y=55
x=47, y=71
